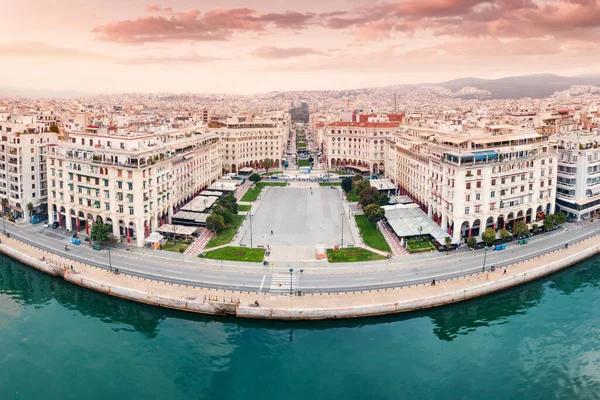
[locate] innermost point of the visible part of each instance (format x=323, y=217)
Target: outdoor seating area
x=189, y=218
x=408, y=220
x=200, y=204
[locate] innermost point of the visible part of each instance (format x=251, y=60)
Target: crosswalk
x=281, y=283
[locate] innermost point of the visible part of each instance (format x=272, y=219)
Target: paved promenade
x=312, y=306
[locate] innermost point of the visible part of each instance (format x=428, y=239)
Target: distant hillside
x=514, y=87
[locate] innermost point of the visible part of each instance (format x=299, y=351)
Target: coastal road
x=402, y=271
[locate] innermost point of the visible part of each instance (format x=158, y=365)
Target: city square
x=298, y=216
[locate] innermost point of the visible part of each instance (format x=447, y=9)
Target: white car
x=46, y=225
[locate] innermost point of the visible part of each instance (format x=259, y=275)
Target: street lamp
x=250, y=226
x=291, y=272
x=420, y=231
x=4, y=222
x=109, y=260
x=342, y=226
x=484, y=257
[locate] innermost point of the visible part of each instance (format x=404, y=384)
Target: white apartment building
x=133, y=181
x=248, y=141
x=471, y=180
x=358, y=145
x=23, y=178
x=578, y=180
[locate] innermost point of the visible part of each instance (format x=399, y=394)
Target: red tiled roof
x=366, y=124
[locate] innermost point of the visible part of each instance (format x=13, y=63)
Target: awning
x=154, y=237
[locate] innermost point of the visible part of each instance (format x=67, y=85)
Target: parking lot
x=298, y=218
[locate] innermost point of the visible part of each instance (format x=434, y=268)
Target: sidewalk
x=392, y=240
x=313, y=306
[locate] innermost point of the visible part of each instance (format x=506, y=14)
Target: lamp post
x=109, y=260
x=484, y=257
x=291, y=272
x=420, y=231
x=250, y=226
x=342, y=226
x=4, y=222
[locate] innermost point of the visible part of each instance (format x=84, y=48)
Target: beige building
x=133, y=181
x=358, y=145
x=247, y=142
x=468, y=180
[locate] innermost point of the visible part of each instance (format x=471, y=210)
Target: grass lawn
x=252, y=193
x=227, y=234
x=339, y=173
x=330, y=183
x=371, y=234
x=169, y=246
x=232, y=253
x=352, y=196
x=352, y=254
x=303, y=163
x=244, y=207
x=418, y=246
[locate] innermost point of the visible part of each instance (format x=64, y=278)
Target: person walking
x=504, y=271
x=271, y=231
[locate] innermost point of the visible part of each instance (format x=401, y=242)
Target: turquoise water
x=539, y=341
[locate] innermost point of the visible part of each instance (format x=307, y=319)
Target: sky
x=235, y=46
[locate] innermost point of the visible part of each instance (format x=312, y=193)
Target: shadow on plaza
x=30, y=287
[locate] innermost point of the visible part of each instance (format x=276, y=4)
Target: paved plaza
x=298, y=218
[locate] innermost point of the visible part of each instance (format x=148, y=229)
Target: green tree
x=447, y=242
x=229, y=202
x=311, y=160
x=347, y=184
x=535, y=227
x=4, y=202
x=472, y=242
x=360, y=186
x=255, y=177
x=549, y=221
x=54, y=128
x=369, y=196
x=504, y=234
x=268, y=163
x=560, y=218
x=520, y=229
x=357, y=177
x=225, y=213
x=384, y=199
x=30, y=208
x=374, y=213
x=489, y=236
x=100, y=232
x=215, y=223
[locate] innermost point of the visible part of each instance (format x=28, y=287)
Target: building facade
x=578, y=180
x=469, y=181
x=132, y=181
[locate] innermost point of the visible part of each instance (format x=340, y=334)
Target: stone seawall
x=307, y=307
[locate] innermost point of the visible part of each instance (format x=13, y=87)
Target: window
x=478, y=196
x=493, y=182
x=468, y=185
x=468, y=197
x=493, y=193
x=467, y=210
x=478, y=184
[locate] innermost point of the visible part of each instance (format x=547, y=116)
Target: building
x=469, y=179
x=23, y=177
x=578, y=180
x=248, y=141
x=132, y=181
x=357, y=145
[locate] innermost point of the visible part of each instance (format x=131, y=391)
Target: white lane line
x=262, y=283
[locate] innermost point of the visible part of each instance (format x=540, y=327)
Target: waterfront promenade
x=316, y=305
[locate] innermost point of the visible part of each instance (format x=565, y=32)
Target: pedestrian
x=271, y=231
x=433, y=282
x=487, y=276
x=504, y=271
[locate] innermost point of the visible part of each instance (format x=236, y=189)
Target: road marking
x=262, y=283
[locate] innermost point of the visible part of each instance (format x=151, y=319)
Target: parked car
x=55, y=225
x=46, y=224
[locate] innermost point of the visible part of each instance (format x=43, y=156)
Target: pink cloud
x=193, y=25
x=277, y=53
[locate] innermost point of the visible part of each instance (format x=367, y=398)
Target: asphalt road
x=402, y=271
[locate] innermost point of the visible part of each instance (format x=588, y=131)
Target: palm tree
x=448, y=242
x=30, y=208
x=268, y=163
x=4, y=204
